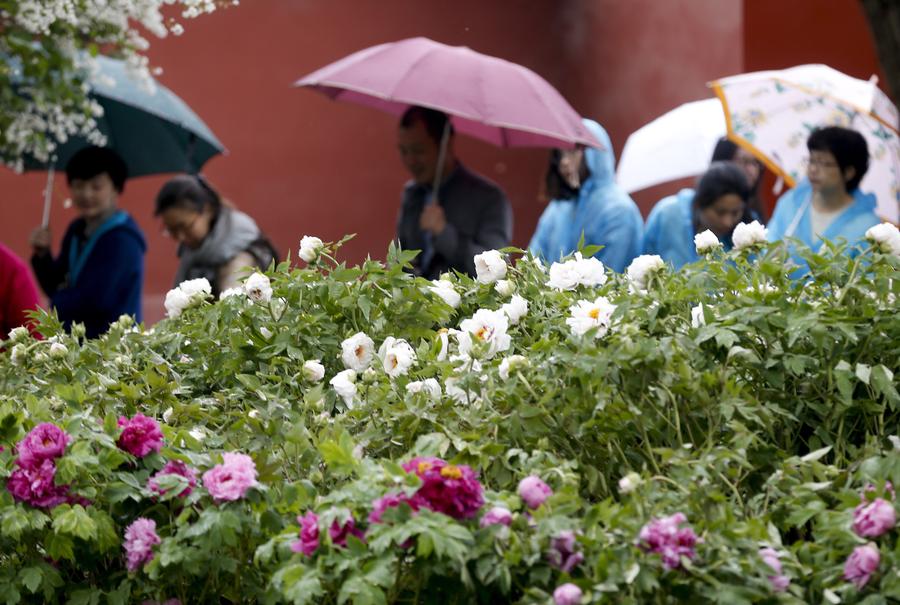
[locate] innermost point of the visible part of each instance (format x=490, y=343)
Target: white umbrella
x=771, y=114
x=675, y=145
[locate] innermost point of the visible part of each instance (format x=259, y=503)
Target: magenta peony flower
x=391, y=501
x=664, y=537
x=567, y=594
x=562, y=554
x=447, y=488
x=46, y=441
x=35, y=486
x=309, y=534
x=533, y=491
x=861, y=564
x=779, y=581
x=871, y=519
x=140, y=538
x=338, y=532
x=231, y=479
x=140, y=435
x=174, y=467
x=498, y=515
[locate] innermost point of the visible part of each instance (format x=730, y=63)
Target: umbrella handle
x=48, y=198
x=442, y=155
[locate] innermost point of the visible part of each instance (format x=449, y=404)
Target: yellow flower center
x=451, y=472
x=359, y=351
x=423, y=467
x=594, y=313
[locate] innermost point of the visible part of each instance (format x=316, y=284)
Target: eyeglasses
x=819, y=163
x=178, y=231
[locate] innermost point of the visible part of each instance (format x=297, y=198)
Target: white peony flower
x=563, y=276
x=746, y=235
x=313, y=370
x=19, y=334
x=258, y=288
x=57, y=350
x=697, y=317
x=445, y=290
x=444, y=336
x=396, y=356
x=629, y=483
x=429, y=386
x=706, y=242
x=511, y=363
x=578, y=271
x=344, y=384
x=194, y=287
x=489, y=266
x=188, y=293
x=588, y=314
x=231, y=292
x=17, y=354
x=457, y=394
x=357, y=352
x=515, y=309
x=504, y=287
x=886, y=236
x=176, y=302
x=489, y=327
x=641, y=269
x=310, y=247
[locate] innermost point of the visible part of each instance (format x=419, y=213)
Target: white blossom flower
x=504, y=287
x=188, y=293
x=176, y=302
x=706, y=242
x=586, y=314
x=578, y=271
x=746, y=235
x=344, y=384
x=198, y=433
x=444, y=336
x=17, y=354
x=489, y=266
x=515, y=309
x=231, y=292
x=429, y=386
x=445, y=290
x=258, y=288
x=310, y=248
x=488, y=327
x=641, y=269
x=357, y=352
x=511, y=363
x=456, y=393
x=697, y=317
x=629, y=483
x=313, y=370
x=194, y=287
x=58, y=349
x=563, y=276
x=19, y=334
x=396, y=356
x=886, y=236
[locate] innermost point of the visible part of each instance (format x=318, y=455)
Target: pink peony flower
x=390, y=501
x=498, y=515
x=861, y=564
x=871, y=519
x=450, y=489
x=35, y=486
x=231, y=479
x=779, y=581
x=174, y=467
x=46, y=441
x=664, y=537
x=567, y=594
x=140, y=538
x=338, y=532
x=309, y=534
x=140, y=435
x=534, y=491
x=562, y=554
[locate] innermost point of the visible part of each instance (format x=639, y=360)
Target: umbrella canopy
x=487, y=97
x=676, y=145
x=149, y=126
x=771, y=114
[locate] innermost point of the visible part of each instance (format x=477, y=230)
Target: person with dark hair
x=718, y=205
x=215, y=240
x=828, y=204
x=586, y=201
x=99, y=273
x=18, y=294
x=467, y=215
x=727, y=150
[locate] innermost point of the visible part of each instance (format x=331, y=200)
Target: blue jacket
x=97, y=279
x=603, y=211
x=670, y=229
x=792, y=219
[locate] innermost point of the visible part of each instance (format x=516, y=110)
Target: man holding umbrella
x=447, y=211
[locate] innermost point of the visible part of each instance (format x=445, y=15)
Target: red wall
x=301, y=164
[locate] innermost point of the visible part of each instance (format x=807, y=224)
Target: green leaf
x=74, y=521
x=31, y=578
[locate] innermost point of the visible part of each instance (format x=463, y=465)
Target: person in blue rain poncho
x=586, y=199
x=719, y=204
x=828, y=204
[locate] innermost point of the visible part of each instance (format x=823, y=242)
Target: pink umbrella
x=488, y=98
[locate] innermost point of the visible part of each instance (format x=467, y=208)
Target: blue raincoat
x=603, y=212
x=670, y=229
x=792, y=219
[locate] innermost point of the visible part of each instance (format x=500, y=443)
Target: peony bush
x=563, y=434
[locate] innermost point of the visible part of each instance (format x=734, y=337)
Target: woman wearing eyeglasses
x=216, y=240
x=828, y=204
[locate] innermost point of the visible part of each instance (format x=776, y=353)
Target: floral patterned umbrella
x=771, y=114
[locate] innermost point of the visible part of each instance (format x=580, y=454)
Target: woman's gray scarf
x=232, y=233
